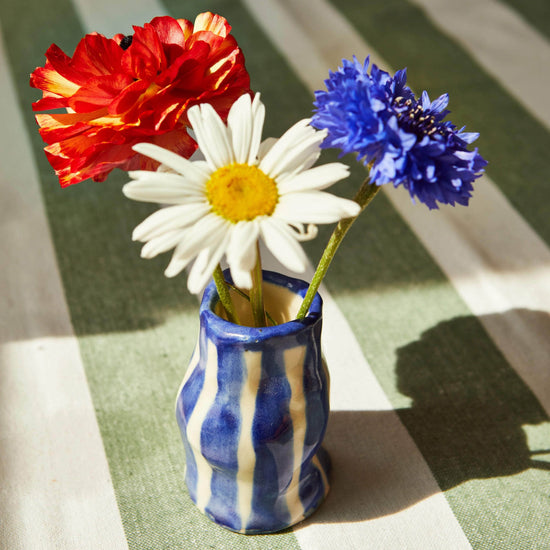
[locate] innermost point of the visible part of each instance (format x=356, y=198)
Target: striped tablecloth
x=437, y=326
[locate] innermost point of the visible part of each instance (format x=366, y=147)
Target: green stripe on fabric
x=136, y=329
x=515, y=144
x=465, y=407
x=536, y=12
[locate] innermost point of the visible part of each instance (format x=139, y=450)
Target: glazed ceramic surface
x=252, y=411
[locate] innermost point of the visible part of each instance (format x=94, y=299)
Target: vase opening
x=281, y=303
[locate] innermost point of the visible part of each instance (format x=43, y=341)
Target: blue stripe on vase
x=272, y=437
x=312, y=487
x=185, y=406
x=220, y=438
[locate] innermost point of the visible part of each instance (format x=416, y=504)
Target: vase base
x=314, y=487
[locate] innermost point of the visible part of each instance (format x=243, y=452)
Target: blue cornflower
x=404, y=140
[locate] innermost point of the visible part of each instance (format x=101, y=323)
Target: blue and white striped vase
x=252, y=410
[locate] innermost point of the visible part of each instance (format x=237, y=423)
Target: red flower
x=124, y=90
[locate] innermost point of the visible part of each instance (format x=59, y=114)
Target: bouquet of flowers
x=172, y=105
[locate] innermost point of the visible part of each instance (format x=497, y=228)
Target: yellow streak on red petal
x=52, y=81
x=214, y=23
x=110, y=121
x=65, y=120
x=186, y=27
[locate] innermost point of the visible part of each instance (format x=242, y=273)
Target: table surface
x=437, y=326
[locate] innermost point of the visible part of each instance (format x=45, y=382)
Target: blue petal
x=368, y=114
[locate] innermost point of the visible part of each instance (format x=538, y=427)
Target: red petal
x=57, y=127
x=128, y=98
x=213, y=40
x=186, y=27
x=48, y=79
x=181, y=68
x=145, y=56
x=99, y=92
x=61, y=63
x=96, y=55
x=168, y=30
x=213, y=23
x=49, y=102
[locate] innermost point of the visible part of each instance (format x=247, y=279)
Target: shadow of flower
x=466, y=419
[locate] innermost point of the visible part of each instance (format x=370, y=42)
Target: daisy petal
x=301, y=158
x=241, y=252
x=319, y=177
x=279, y=148
x=192, y=170
x=297, y=149
x=204, y=266
x=163, y=189
x=282, y=243
x=304, y=232
x=241, y=277
x=211, y=135
x=176, y=266
x=243, y=236
x=239, y=122
x=197, y=176
x=258, y=117
x=207, y=232
x=162, y=243
x=266, y=146
x=314, y=207
x=166, y=219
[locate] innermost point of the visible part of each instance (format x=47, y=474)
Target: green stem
x=256, y=293
x=247, y=298
x=225, y=296
x=363, y=197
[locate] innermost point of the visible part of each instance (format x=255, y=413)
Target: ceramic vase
x=252, y=411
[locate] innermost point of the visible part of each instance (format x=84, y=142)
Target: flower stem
x=225, y=296
x=247, y=298
x=256, y=293
x=366, y=193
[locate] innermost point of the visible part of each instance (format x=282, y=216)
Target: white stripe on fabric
x=56, y=486
x=501, y=269
x=493, y=258
x=325, y=38
x=405, y=509
x=110, y=17
x=503, y=43
x=246, y=455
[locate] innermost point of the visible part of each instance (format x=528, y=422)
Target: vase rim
x=226, y=328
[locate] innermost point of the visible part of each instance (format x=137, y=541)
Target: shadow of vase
x=466, y=418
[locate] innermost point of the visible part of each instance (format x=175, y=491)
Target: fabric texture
x=436, y=324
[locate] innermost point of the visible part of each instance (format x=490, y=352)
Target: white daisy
x=243, y=191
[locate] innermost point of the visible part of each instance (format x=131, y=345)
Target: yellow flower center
x=240, y=192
